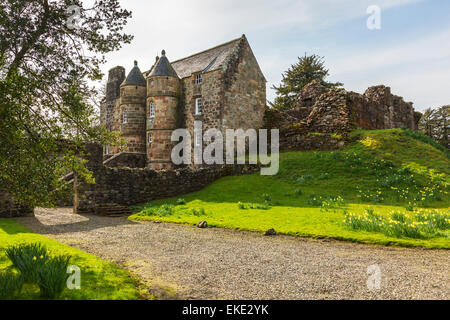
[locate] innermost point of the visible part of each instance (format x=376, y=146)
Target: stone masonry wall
x=336, y=110
x=245, y=90
x=125, y=186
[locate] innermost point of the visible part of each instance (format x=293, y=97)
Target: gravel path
x=225, y=264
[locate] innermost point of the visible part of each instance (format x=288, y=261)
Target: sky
x=410, y=52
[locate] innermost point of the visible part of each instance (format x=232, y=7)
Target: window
x=199, y=78
x=198, y=106
x=125, y=117
x=150, y=138
x=152, y=109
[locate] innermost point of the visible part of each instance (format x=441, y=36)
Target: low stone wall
x=130, y=186
x=125, y=159
x=10, y=209
x=296, y=140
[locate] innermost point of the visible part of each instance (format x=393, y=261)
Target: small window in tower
x=198, y=106
x=199, y=78
x=152, y=109
x=150, y=138
x=125, y=117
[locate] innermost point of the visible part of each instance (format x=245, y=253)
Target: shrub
x=28, y=258
x=198, y=213
x=253, y=206
x=10, y=285
x=332, y=203
x=420, y=225
x=161, y=211
x=181, y=201
x=52, y=277
x=267, y=197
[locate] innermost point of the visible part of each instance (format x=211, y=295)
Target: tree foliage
x=435, y=123
x=307, y=69
x=48, y=63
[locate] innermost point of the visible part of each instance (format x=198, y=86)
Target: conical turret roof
x=135, y=77
x=163, y=67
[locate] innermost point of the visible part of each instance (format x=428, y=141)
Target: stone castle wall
x=245, y=90
x=336, y=110
x=126, y=186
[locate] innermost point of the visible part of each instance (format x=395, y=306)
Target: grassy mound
x=388, y=172
x=100, y=280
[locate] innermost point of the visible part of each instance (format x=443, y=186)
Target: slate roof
x=163, y=67
x=135, y=77
x=208, y=60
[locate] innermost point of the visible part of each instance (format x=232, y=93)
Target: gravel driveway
x=226, y=264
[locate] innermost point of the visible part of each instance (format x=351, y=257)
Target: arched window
x=150, y=138
x=152, y=109
x=125, y=116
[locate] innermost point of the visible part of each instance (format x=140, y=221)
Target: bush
x=181, y=201
x=28, y=258
x=52, y=277
x=420, y=225
x=253, y=206
x=198, y=213
x=10, y=285
x=161, y=211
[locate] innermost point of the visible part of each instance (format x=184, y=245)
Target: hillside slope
x=382, y=171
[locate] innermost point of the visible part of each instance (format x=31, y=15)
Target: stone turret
x=115, y=77
x=131, y=112
x=163, y=89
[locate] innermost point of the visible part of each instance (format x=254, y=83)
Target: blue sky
x=410, y=53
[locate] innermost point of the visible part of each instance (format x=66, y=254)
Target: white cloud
x=185, y=27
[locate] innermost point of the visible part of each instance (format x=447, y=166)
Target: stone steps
x=113, y=210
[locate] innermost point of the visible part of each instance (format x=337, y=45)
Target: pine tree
x=307, y=69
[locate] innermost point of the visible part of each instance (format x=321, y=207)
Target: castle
x=223, y=87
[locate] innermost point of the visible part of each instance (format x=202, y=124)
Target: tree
x=435, y=123
x=307, y=69
x=50, y=52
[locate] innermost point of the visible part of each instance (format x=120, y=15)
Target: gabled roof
x=135, y=77
x=163, y=67
x=208, y=60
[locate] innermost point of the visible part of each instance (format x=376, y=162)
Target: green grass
x=386, y=170
x=100, y=280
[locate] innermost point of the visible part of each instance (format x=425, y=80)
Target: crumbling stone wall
x=128, y=186
x=320, y=109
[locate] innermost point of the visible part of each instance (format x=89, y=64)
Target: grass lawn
x=100, y=280
x=386, y=171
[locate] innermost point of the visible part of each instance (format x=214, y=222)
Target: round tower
x=131, y=113
x=163, y=86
